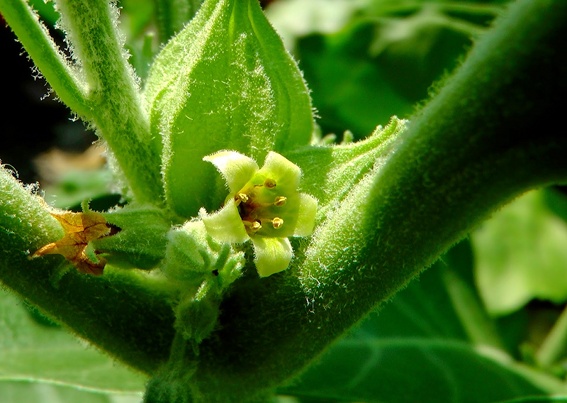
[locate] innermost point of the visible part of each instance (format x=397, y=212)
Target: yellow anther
x=241, y=197
x=252, y=225
x=270, y=183
x=277, y=222
x=280, y=201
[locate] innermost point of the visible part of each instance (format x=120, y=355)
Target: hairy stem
x=114, y=95
x=116, y=312
x=481, y=141
x=476, y=145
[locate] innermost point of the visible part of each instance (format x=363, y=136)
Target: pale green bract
x=264, y=205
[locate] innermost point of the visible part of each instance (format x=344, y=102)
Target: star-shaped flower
x=263, y=205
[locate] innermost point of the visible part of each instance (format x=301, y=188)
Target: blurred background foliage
x=468, y=330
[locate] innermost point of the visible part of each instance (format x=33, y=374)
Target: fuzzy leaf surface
x=417, y=348
x=522, y=253
x=34, y=349
x=224, y=82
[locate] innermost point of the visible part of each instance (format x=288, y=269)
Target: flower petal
x=283, y=171
x=225, y=225
x=236, y=168
x=272, y=255
x=305, y=215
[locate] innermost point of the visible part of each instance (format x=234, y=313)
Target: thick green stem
x=113, y=93
x=116, y=312
x=480, y=142
x=65, y=81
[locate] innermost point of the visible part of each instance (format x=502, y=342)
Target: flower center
x=256, y=205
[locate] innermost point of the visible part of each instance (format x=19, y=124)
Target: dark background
x=31, y=122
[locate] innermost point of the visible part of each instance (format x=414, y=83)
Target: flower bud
x=140, y=238
x=224, y=82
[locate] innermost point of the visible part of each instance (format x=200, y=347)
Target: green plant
x=176, y=293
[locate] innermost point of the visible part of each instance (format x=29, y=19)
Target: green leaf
x=350, y=90
x=430, y=307
x=538, y=399
x=78, y=185
x=297, y=18
x=383, y=61
x=458, y=280
x=413, y=370
x=522, y=255
x=423, y=310
x=31, y=351
x=15, y=391
x=224, y=82
x=330, y=172
x=419, y=347
x=47, y=11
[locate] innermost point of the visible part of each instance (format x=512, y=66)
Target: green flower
x=264, y=205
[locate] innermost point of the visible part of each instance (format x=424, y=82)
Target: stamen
x=277, y=222
x=252, y=225
x=241, y=197
x=270, y=183
x=280, y=201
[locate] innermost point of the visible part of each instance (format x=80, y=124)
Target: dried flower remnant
x=263, y=205
x=80, y=229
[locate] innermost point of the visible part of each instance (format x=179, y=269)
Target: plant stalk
x=479, y=143
x=117, y=312
x=113, y=93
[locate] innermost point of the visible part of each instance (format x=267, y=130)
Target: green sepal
x=224, y=82
x=202, y=270
x=193, y=257
x=197, y=316
x=186, y=260
x=140, y=238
